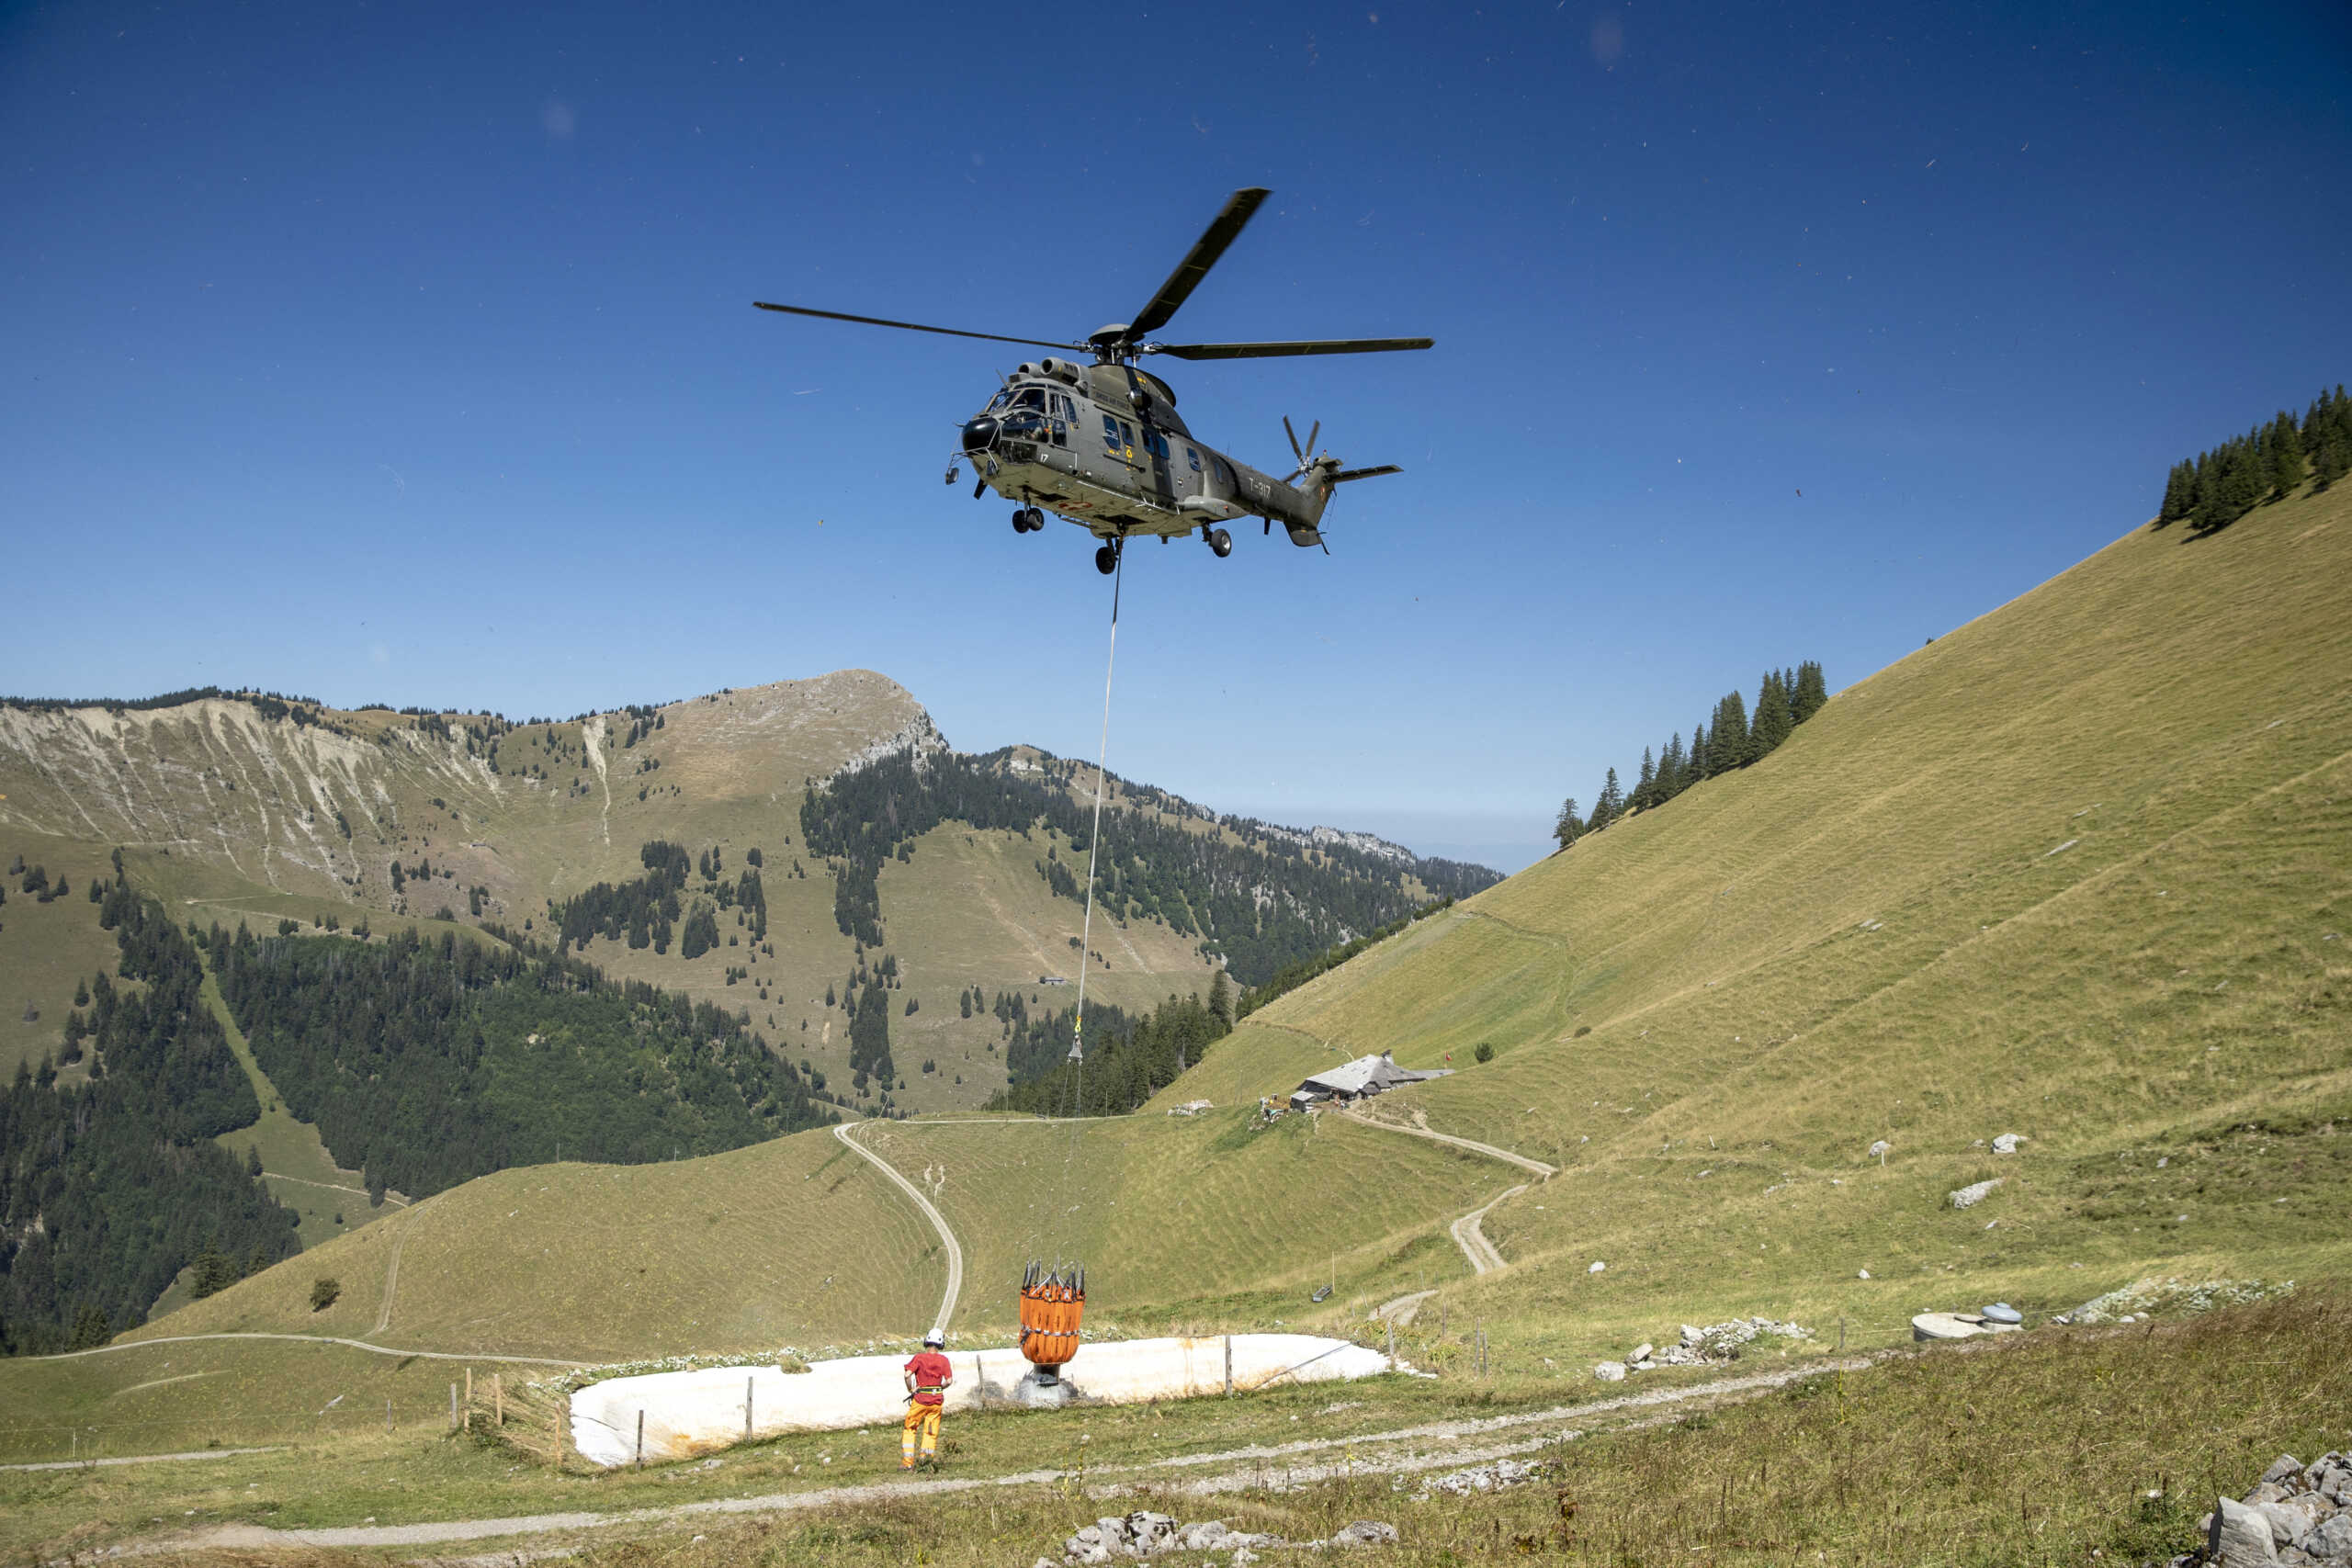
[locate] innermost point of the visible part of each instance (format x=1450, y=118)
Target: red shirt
x=932, y=1375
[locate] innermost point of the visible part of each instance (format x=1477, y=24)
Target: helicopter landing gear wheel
x=1220, y=543
x=1106, y=560
x=1021, y=520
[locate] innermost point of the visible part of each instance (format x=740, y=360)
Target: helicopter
x=1099, y=444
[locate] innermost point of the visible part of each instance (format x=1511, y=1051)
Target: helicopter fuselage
x=1102, y=446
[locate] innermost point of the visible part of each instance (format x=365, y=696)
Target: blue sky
x=405, y=353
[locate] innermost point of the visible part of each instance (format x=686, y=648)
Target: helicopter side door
x=1157, y=476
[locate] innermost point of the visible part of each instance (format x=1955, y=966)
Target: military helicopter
x=1101, y=445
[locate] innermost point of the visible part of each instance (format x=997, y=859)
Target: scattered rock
x=1975, y=1192
x=1610, y=1371
x=2296, y=1513
x=1861, y=1274
x=1701, y=1347
x=2006, y=1144
x=1494, y=1477
x=1596, y=1267
x=1365, y=1532
x=2145, y=1297
x=1145, y=1534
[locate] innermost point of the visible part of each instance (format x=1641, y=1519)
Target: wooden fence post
x=498, y=1398
x=747, y=1409
x=1228, y=1366
x=452, y=1407
x=388, y=1417
x=640, y=1440
x=469, y=1399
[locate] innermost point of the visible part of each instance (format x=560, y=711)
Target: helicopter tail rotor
x=1301, y=453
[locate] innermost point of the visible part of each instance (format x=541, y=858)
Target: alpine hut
x=1352, y=1081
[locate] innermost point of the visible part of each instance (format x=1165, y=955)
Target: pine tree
x=1612, y=804
x=1221, y=999
x=1645, y=787
x=2286, y=457
x=1727, y=747
x=1568, y=826
x=1700, y=765
x=1812, y=692
x=1773, y=720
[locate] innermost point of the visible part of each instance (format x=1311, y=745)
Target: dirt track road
x=938, y=1222
x=1442, y=1445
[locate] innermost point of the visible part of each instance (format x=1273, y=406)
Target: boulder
x=2282, y=1467
x=1243, y=1557
x=1692, y=1335
x=2289, y=1524
x=2006, y=1144
x=2331, y=1542
x=1202, y=1537
x=2239, y=1537
x=1365, y=1532
x=1975, y=1192
x=1642, y=1352
x=1610, y=1371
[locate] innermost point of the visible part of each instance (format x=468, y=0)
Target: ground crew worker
x=928, y=1376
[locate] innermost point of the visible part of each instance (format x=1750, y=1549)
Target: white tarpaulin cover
x=694, y=1412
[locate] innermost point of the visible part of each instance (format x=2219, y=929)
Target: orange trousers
x=923, y=1418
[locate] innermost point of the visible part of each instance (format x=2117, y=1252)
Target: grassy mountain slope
x=791, y=1239
x=799, y=1241
x=2081, y=871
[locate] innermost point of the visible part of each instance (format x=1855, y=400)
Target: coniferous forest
x=1207, y=880
x=111, y=1187
x=1728, y=741
x=429, y=1063
x=2268, y=462
x=1127, y=1059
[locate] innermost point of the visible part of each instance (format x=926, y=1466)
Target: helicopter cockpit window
x=1193, y=456
x=1111, y=434
x=1030, y=398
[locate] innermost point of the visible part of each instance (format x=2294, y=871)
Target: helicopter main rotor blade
x=917, y=326
x=1223, y=229
x=1282, y=350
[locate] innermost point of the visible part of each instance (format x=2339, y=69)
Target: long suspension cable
x=1093, y=848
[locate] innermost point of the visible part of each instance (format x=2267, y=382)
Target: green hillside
x=2080, y=871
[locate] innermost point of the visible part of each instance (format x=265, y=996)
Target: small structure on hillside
x=1358, y=1079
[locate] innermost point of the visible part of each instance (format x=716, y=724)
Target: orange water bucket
x=1053, y=1300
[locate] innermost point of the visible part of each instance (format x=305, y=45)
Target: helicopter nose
x=979, y=434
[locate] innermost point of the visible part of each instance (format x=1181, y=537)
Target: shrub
x=1485, y=1053
x=323, y=1293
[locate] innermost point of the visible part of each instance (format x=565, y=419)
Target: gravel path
x=1535, y=1166
x=1483, y=1256
x=938, y=1222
